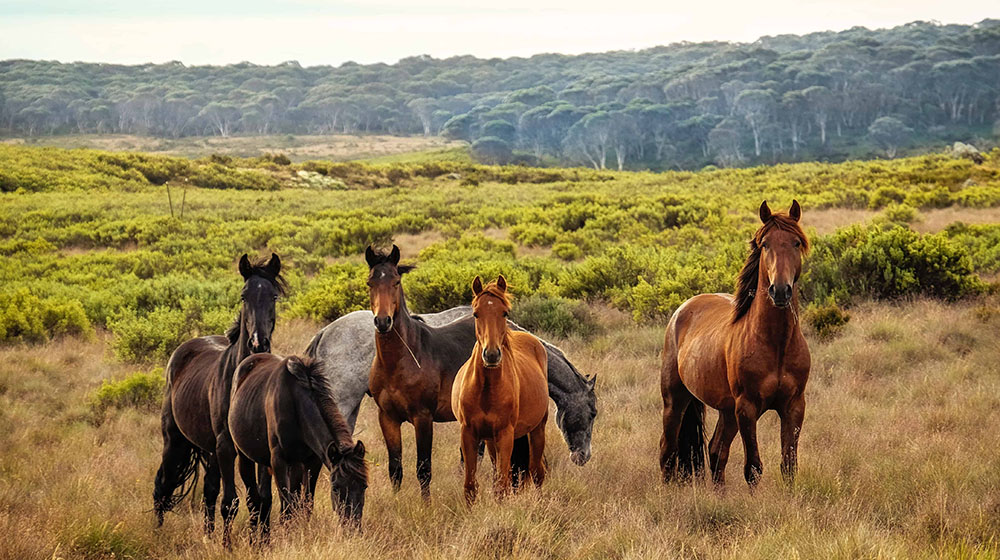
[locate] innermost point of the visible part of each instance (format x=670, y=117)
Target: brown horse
x=501, y=392
x=284, y=421
x=414, y=367
x=742, y=355
x=196, y=403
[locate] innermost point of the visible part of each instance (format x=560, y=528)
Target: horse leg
x=310, y=489
x=248, y=473
x=283, y=477
x=394, y=446
x=747, y=414
x=424, y=429
x=211, y=491
x=264, y=490
x=718, y=447
x=536, y=465
x=470, y=446
x=675, y=402
x=225, y=454
x=791, y=425
x=504, y=446
x=520, y=461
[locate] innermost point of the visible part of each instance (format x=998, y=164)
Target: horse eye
x=475, y=315
x=798, y=243
x=505, y=313
x=275, y=298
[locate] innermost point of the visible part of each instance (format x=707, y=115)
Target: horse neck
x=563, y=381
x=236, y=351
x=777, y=325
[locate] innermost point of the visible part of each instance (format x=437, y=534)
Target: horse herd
x=231, y=404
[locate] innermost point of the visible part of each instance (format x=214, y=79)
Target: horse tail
x=691, y=441
x=178, y=472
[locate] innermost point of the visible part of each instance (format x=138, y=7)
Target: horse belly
x=192, y=410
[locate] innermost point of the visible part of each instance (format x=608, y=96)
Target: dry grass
x=298, y=148
x=898, y=460
x=931, y=220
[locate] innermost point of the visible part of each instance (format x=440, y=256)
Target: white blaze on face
x=383, y=274
x=489, y=303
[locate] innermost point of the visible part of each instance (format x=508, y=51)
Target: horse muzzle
x=383, y=324
x=781, y=295
x=580, y=456
x=492, y=358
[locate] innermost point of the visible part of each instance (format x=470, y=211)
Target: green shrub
x=218, y=176
x=554, y=315
x=27, y=318
x=151, y=337
x=888, y=262
x=139, y=390
x=336, y=291
x=826, y=319
x=899, y=213
x=567, y=251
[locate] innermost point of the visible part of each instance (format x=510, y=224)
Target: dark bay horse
x=741, y=354
x=196, y=403
x=501, y=392
x=285, y=422
x=414, y=367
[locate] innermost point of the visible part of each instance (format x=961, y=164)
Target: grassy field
x=101, y=277
x=898, y=460
x=343, y=147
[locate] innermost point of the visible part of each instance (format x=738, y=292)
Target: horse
x=413, y=370
x=284, y=421
x=196, y=401
x=501, y=393
x=347, y=350
x=741, y=354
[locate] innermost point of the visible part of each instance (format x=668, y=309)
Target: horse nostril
x=788, y=291
x=770, y=291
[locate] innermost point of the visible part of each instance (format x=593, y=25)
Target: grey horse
x=347, y=348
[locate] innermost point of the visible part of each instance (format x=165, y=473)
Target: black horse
x=195, y=414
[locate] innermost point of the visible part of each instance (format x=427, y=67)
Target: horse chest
x=404, y=392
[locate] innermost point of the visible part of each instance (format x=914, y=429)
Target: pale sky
x=317, y=32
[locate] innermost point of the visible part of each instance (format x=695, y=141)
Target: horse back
x=192, y=354
x=694, y=349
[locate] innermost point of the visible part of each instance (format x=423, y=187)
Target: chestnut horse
x=196, y=403
x=501, y=392
x=414, y=367
x=284, y=421
x=741, y=354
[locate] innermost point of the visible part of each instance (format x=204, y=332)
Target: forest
x=827, y=96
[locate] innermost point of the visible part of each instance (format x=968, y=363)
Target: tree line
x=827, y=95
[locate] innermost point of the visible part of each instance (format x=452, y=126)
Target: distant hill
x=823, y=96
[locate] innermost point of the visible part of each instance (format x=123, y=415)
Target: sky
x=316, y=32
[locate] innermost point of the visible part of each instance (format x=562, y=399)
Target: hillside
x=822, y=96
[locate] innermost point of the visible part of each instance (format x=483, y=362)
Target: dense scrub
x=90, y=241
x=827, y=95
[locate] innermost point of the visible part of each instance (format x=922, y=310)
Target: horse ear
x=370, y=256
x=394, y=256
x=359, y=449
x=245, y=268
x=795, y=211
x=765, y=212
x=333, y=453
x=592, y=381
x=274, y=265
x=502, y=283
x=477, y=286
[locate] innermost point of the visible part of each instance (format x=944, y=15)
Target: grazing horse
x=347, y=349
x=741, y=354
x=413, y=370
x=500, y=394
x=196, y=403
x=284, y=421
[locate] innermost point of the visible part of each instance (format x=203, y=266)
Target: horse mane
x=258, y=267
x=746, y=282
x=493, y=290
x=382, y=257
x=308, y=373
